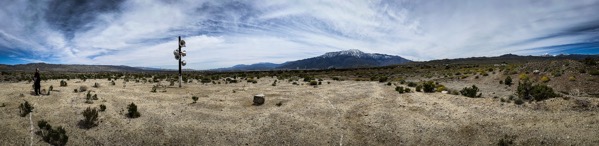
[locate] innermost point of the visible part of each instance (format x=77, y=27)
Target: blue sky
x=221, y=33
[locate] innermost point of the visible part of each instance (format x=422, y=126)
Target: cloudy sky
x=222, y=33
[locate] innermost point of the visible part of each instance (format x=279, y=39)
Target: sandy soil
x=339, y=113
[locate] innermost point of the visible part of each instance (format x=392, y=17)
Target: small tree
x=90, y=118
x=508, y=81
x=133, y=113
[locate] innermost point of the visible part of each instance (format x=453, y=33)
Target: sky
x=223, y=33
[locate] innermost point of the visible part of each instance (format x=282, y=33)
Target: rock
x=259, y=99
x=444, y=92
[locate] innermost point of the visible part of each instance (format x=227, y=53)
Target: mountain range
x=342, y=59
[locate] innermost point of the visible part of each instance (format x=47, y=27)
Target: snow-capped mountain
x=342, y=59
x=345, y=59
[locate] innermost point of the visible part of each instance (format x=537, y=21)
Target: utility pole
x=179, y=56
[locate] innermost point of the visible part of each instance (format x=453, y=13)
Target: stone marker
x=259, y=99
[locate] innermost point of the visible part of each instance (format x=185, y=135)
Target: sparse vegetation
x=545, y=79
x=82, y=88
x=25, y=109
x=399, y=89
x=470, y=91
x=90, y=118
x=537, y=92
x=57, y=137
x=133, y=113
x=96, y=85
x=428, y=87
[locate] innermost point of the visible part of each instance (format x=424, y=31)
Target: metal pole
x=180, y=75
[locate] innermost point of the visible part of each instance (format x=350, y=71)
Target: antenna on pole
x=179, y=56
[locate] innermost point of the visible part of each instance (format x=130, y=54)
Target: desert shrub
x=63, y=83
x=500, y=81
x=57, y=137
x=89, y=98
x=412, y=84
x=523, y=77
x=455, y=92
x=572, y=78
x=519, y=101
x=594, y=72
x=441, y=88
x=589, y=61
x=195, y=99
x=75, y=91
x=469, y=91
x=50, y=89
x=133, y=113
x=407, y=90
x=506, y=141
x=545, y=79
x=154, y=89
x=25, y=108
x=319, y=83
x=102, y=107
x=336, y=78
x=82, y=88
x=383, y=79
x=399, y=89
x=313, y=82
x=537, y=92
x=95, y=97
x=428, y=86
x=112, y=83
x=90, y=118
x=96, y=85
x=389, y=84
x=508, y=81
x=419, y=88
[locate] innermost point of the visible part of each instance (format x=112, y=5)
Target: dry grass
x=340, y=113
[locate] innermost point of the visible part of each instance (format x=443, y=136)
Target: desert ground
x=339, y=113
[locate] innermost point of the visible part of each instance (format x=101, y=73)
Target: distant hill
x=508, y=58
x=341, y=59
x=257, y=66
x=71, y=68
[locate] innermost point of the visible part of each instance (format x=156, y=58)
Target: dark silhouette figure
x=36, y=82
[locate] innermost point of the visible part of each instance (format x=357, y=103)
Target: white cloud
x=225, y=33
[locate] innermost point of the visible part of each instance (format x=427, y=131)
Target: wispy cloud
x=225, y=33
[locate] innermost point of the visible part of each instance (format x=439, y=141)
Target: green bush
x=537, y=92
x=470, y=91
x=399, y=89
x=57, y=137
x=428, y=87
x=419, y=88
x=25, y=109
x=90, y=118
x=519, y=101
x=133, y=113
